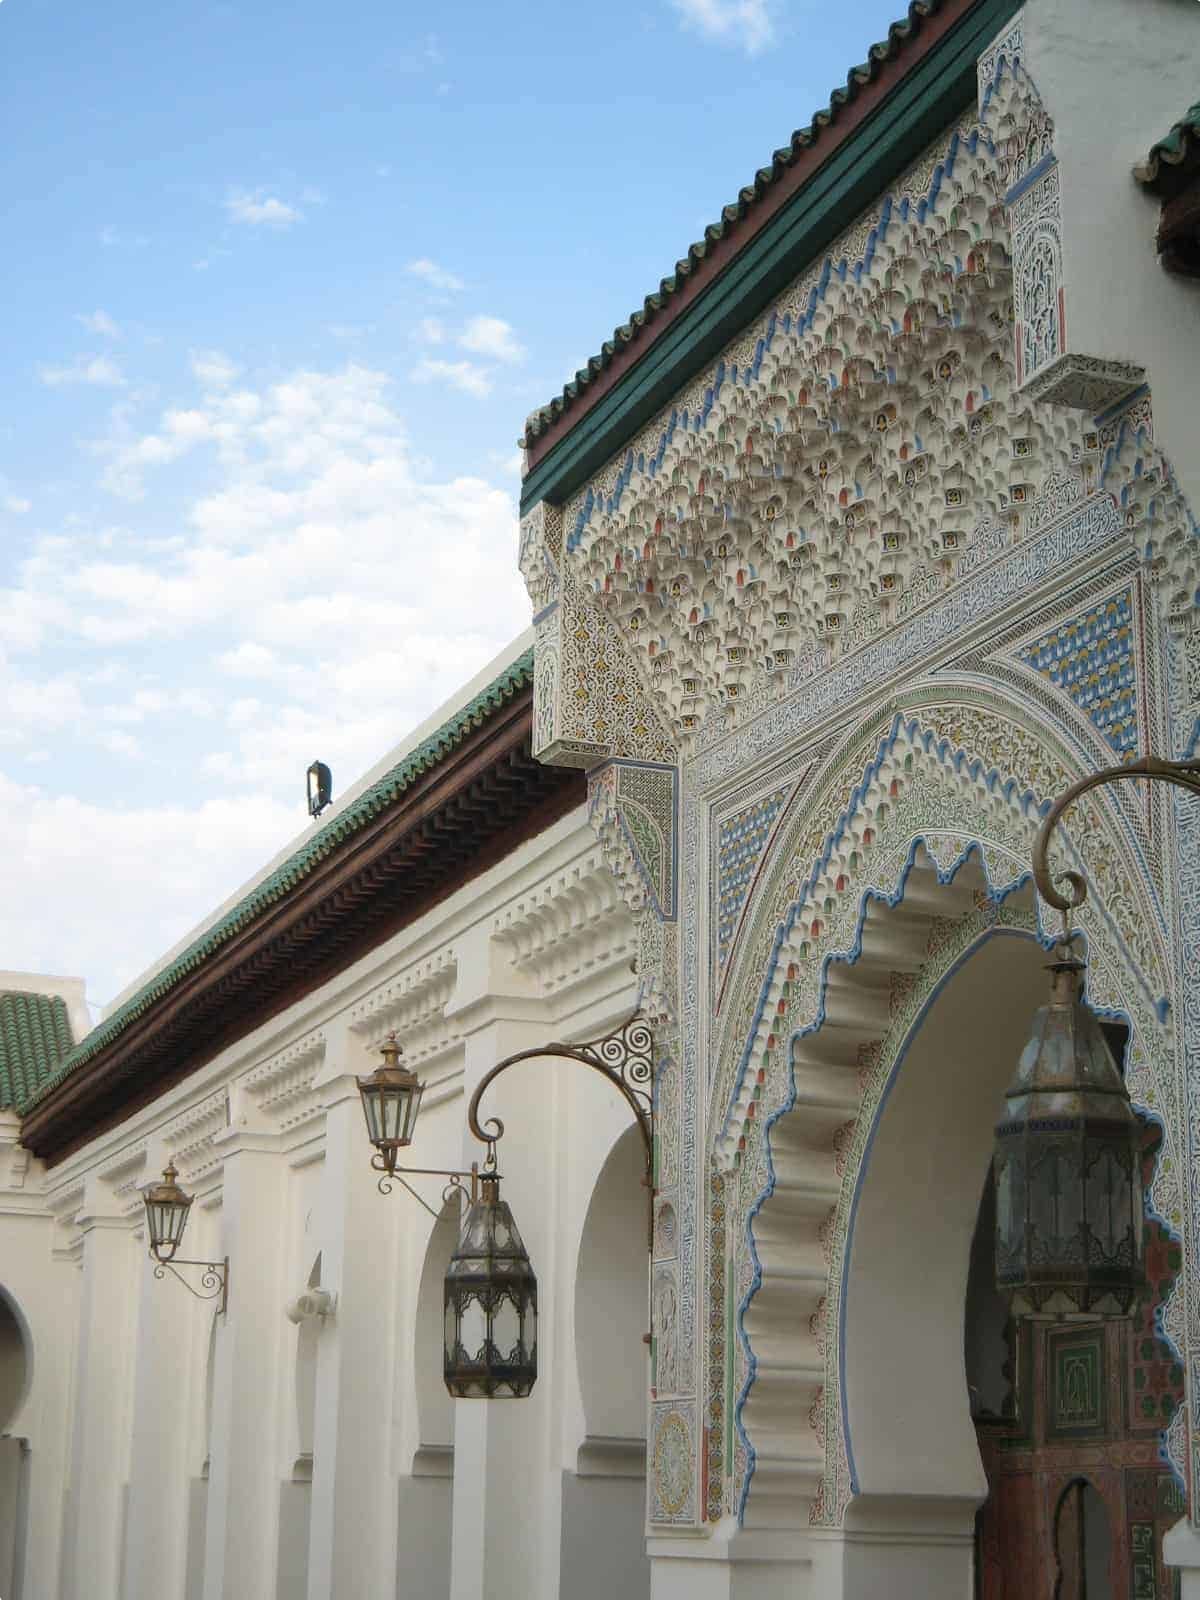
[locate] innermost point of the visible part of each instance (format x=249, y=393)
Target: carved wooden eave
x=460, y=817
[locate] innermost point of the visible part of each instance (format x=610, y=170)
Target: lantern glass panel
x=391, y=1107
x=373, y=1111
x=473, y=1329
x=506, y=1329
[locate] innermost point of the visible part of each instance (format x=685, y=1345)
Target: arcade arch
x=16, y=1371
x=603, y=1507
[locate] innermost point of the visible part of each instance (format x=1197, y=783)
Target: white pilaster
x=243, y=1502
x=352, y=1537
x=166, y=1321
x=92, y=1532
x=501, y=1447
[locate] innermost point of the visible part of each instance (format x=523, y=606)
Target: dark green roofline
x=929, y=96
x=279, y=883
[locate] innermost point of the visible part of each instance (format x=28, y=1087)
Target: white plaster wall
x=1115, y=77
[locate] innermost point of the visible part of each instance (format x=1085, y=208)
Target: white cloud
x=436, y=277
x=493, y=337
x=119, y=744
x=431, y=331
x=214, y=368
x=259, y=209
x=92, y=857
x=506, y=461
x=98, y=371
x=308, y=590
x=745, y=23
x=99, y=322
x=16, y=504
x=465, y=375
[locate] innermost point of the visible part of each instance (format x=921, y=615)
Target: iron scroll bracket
x=625, y=1058
x=214, y=1277
x=1183, y=774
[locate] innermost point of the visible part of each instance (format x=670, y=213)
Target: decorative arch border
x=983, y=814
x=997, y=916
x=955, y=734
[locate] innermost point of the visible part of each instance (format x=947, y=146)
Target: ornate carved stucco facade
x=878, y=578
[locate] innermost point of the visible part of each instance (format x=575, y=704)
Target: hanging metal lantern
x=167, y=1208
x=490, y=1305
x=1069, y=1207
x=391, y=1099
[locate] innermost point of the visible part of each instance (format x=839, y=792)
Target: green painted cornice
x=932, y=93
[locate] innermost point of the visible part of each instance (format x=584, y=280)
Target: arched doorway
x=1069, y=1418
x=15, y=1374
x=917, y=1474
x=603, y=1505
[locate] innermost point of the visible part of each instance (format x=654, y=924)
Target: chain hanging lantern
x=490, y=1304
x=1069, y=1204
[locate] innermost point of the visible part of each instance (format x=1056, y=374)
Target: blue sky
x=280, y=285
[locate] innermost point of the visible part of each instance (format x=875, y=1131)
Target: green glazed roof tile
x=899, y=34
x=1171, y=151
x=278, y=884
x=35, y=1038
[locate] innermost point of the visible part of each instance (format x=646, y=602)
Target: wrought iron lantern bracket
x=214, y=1277
x=459, y=1183
x=625, y=1058
x=1183, y=774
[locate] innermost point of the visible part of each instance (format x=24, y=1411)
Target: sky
x=280, y=284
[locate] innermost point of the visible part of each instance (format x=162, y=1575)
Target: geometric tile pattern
x=740, y=842
x=1091, y=659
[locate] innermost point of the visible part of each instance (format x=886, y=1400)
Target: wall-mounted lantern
x=391, y=1100
x=167, y=1208
x=490, y=1298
